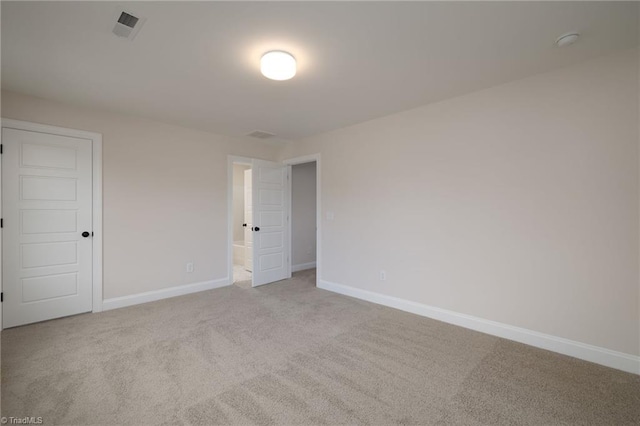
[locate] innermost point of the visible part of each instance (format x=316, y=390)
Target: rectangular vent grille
x=261, y=135
x=128, y=20
x=127, y=25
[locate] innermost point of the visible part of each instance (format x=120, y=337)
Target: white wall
x=238, y=201
x=517, y=204
x=165, y=194
x=303, y=213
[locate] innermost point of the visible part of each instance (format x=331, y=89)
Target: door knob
x=86, y=234
x=257, y=228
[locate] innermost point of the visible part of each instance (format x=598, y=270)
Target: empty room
x=306, y=213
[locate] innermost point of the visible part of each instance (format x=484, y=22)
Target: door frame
x=302, y=160
x=231, y=159
x=96, y=189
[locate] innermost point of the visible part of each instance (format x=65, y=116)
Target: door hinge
x=1, y=148
x=2, y=297
x=1, y=223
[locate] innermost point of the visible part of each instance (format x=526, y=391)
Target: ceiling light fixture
x=567, y=39
x=278, y=65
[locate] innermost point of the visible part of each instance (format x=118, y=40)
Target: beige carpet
x=288, y=353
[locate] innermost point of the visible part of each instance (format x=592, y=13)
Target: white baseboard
x=596, y=354
x=303, y=266
x=165, y=293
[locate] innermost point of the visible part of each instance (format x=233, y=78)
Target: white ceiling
x=197, y=63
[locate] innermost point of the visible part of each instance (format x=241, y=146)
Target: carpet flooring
x=289, y=353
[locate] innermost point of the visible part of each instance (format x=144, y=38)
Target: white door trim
x=96, y=145
x=301, y=160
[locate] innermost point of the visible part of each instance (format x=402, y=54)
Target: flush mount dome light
x=567, y=39
x=278, y=65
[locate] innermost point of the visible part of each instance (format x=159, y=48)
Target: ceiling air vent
x=260, y=134
x=128, y=25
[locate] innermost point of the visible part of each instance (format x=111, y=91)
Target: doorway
x=305, y=211
x=242, y=223
x=266, y=224
x=270, y=225
x=303, y=217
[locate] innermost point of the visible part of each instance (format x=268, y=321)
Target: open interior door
x=270, y=222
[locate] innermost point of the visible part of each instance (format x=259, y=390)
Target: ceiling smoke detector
x=260, y=134
x=128, y=25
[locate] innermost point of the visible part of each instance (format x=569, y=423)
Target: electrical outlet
x=189, y=267
x=383, y=275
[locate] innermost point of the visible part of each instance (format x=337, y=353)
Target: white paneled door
x=47, y=226
x=270, y=222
